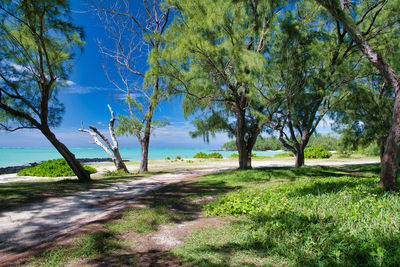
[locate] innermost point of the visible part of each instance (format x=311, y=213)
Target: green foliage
x=202, y=155
x=52, y=168
x=37, y=47
x=329, y=142
x=284, y=155
x=316, y=152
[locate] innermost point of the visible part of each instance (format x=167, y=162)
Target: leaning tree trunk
x=82, y=174
x=390, y=161
x=118, y=162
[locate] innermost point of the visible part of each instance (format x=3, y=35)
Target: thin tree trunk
x=82, y=174
x=144, y=157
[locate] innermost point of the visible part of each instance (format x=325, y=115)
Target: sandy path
x=35, y=223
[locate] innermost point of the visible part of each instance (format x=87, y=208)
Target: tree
x=215, y=55
x=362, y=125
x=37, y=45
x=134, y=37
x=114, y=153
x=307, y=81
x=353, y=19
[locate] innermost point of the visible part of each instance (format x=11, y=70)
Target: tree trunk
x=144, y=157
x=299, y=157
x=82, y=174
x=244, y=157
x=118, y=162
x=390, y=160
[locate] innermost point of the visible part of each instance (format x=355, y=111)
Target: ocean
x=23, y=156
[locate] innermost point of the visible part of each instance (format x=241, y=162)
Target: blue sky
x=88, y=95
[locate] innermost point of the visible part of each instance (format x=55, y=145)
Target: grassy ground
x=325, y=216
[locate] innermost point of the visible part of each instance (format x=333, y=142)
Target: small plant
x=116, y=173
x=178, y=157
x=284, y=155
x=167, y=158
x=215, y=155
x=202, y=155
x=316, y=152
x=189, y=161
x=52, y=168
x=234, y=156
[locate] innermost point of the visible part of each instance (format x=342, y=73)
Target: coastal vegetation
x=52, y=168
x=202, y=155
x=37, y=47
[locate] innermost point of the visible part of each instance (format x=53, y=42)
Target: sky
x=89, y=93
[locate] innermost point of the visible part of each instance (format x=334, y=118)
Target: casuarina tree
x=38, y=42
x=360, y=21
x=215, y=55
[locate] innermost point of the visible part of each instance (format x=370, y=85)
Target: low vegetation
x=321, y=219
x=317, y=152
x=202, y=155
x=52, y=168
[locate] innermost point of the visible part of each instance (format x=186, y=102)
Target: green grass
x=313, y=216
x=144, y=220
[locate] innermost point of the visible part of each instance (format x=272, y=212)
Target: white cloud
x=77, y=89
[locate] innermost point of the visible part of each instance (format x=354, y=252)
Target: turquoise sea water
x=22, y=156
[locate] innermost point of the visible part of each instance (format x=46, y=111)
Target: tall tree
x=309, y=83
x=135, y=32
x=37, y=45
x=215, y=55
x=359, y=22
x=361, y=125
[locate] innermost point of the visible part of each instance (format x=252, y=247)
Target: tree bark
x=118, y=162
x=390, y=161
x=299, y=158
x=144, y=157
x=82, y=174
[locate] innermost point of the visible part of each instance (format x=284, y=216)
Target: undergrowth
x=52, y=168
x=325, y=221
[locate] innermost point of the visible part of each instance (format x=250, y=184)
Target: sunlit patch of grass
x=95, y=244
x=144, y=220
x=314, y=219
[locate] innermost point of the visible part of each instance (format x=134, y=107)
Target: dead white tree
x=133, y=36
x=110, y=149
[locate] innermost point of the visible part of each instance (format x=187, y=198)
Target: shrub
x=214, y=155
x=234, y=156
x=316, y=152
x=52, y=168
x=178, y=157
x=284, y=155
x=202, y=155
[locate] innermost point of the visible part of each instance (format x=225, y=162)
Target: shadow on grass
x=239, y=177
x=290, y=239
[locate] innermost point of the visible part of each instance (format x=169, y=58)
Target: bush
x=284, y=155
x=214, y=155
x=52, y=168
x=316, y=152
x=202, y=155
